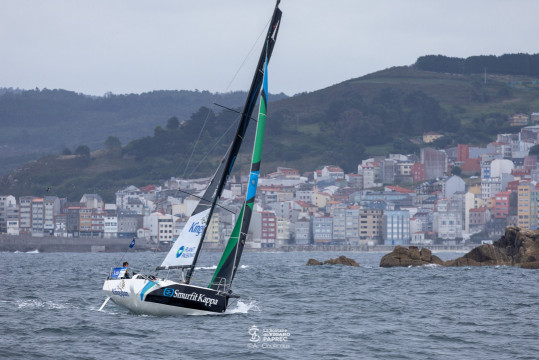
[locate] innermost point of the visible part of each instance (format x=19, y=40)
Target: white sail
x=184, y=249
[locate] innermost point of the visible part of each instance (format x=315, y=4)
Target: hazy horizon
x=135, y=46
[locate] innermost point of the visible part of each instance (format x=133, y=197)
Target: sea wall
x=26, y=243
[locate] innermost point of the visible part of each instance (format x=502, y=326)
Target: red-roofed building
x=399, y=189
x=288, y=171
x=520, y=172
x=305, y=207
x=148, y=188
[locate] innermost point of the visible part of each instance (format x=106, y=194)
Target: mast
x=226, y=270
x=225, y=168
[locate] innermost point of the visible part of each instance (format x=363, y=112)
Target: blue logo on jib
x=180, y=251
x=168, y=292
x=196, y=228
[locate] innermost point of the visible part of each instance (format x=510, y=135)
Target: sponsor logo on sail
x=180, y=251
x=197, y=228
x=186, y=252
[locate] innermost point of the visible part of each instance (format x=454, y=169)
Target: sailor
x=126, y=275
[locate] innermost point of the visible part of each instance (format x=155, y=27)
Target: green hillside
x=39, y=122
x=342, y=124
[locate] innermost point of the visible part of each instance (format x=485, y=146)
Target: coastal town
x=455, y=196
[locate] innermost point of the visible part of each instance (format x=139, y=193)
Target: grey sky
x=133, y=46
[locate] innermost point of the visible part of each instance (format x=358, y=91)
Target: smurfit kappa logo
x=168, y=292
x=253, y=331
x=180, y=251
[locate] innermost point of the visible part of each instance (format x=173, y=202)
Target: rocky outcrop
x=341, y=260
x=313, y=262
x=412, y=256
x=518, y=247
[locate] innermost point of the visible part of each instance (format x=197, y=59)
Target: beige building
x=370, y=226
x=320, y=199
x=283, y=232
x=527, y=210
x=213, y=235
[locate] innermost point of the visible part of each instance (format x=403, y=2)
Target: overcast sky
x=134, y=46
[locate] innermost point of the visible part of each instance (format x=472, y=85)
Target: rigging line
x=226, y=90
x=237, y=112
x=247, y=56
x=196, y=143
x=209, y=201
x=214, y=145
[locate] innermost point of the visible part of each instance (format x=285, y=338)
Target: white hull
x=133, y=295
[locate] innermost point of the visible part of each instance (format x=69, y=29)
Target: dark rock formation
x=401, y=256
x=341, y=260
x=518, y=247
x=312, y=262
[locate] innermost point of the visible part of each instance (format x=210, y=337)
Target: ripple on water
x=329, y=311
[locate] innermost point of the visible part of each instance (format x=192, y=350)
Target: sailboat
x=152, y=295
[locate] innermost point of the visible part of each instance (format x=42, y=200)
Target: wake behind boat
x=145, y=294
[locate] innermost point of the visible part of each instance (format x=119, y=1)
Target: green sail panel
x=226, y=270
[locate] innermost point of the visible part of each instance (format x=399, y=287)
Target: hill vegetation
x=39, y=122
x=381, y=113
x=512, y=64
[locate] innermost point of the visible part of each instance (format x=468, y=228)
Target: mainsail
x=203, y=212
x=224, y=274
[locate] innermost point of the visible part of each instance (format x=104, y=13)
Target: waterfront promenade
x=25, y=243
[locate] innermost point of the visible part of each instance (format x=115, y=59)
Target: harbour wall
x=25, y=243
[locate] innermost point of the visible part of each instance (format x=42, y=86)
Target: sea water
x=49, y=306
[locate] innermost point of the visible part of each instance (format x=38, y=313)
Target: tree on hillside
x=173, y=123
x=113, y=142
x=158, y=131
x=456, y=170
x=82, y=150
x=66, y=151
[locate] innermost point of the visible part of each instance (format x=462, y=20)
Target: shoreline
x=26, y=244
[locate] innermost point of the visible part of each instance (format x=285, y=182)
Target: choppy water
x=49, y=308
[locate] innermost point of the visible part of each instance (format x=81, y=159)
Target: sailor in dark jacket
x=126, y=275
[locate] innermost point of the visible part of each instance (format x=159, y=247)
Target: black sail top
x=217, y=184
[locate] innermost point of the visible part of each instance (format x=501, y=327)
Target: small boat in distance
x=152, y=295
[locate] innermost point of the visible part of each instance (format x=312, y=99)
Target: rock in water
x=312, y=262
x=518, y=247
x=342, y=260
x=401, y=256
